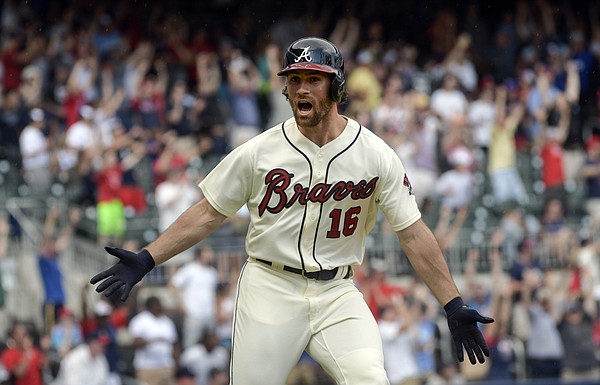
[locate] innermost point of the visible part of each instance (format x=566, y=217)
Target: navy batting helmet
x=315, y=53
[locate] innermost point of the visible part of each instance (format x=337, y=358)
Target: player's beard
x=319, y=111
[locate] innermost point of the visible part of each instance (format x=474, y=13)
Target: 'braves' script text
x=278, y=180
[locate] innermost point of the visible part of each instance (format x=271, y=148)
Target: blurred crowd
x=120, y=108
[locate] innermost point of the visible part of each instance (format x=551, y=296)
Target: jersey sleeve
x=396, y=198
x=227, y=187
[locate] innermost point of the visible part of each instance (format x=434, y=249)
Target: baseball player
x=313, y=186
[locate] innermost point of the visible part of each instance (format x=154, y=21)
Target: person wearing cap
x=35, y=151
x=66, y=334
x=86, y=364
x=100, y=322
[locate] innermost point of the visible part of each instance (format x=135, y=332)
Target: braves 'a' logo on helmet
x=304, y=55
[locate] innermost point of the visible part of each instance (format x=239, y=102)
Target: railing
x=84, y=257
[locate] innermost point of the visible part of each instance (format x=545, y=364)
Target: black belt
x=321, y=275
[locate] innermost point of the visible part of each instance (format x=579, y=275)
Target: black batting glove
x=131, y=268
x=462, y=321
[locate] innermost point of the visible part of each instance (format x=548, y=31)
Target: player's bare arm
x=195, y=224
x=425, y=256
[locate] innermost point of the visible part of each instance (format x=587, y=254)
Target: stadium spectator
x=64, y=336
x=102, y=321
x=394, y=114
x=398, y=335
x=448, y=101
x=110, y=209
x=576, y=331
x=454, y=188
x=363, y=85
x=35, y=150
x=243, y=81
x=148, y=102
x=378, y=291
x=181, y=110
x=55, y=239
x=25, y=361
x=4, y=250
x=556, y=237
x=458, y=62
x=425, y=134
x=279, y=107
x=212, y=118
x=502, y=349
x=184, y=376
x=225, y=301
x=194, y=286
x=155, y=339
x=81, y=89
x=13, y=117
x=506, y=182
x=553, y=134
x=205, y=356
x=545, y=349
x=590, y=171
x=480, y=118
x=85, y=364
x=173, y=195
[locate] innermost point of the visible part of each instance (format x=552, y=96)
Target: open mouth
x=304, y=107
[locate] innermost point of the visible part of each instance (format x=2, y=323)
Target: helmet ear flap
x=338, y=88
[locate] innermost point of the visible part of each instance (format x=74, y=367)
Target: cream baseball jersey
x=312, y=207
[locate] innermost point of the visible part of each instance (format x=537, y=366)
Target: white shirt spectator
x=34, y=148
x=196, y=283
x=201, y=362
x=173, y=197
x=160, y=335
x=455, y=186
x=449, y=104
x=81, y=135
x=398, y=351
x=465, y=73
x=80, y=366
x=481, y=116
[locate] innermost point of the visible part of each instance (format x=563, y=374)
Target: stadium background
x=428, y=28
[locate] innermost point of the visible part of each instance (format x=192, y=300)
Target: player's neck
x=326, y=131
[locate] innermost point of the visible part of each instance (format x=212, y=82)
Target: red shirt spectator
x=22, y=359
x=109, y=182
x=553, y=174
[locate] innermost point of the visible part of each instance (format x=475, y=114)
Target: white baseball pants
x=280, y=314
